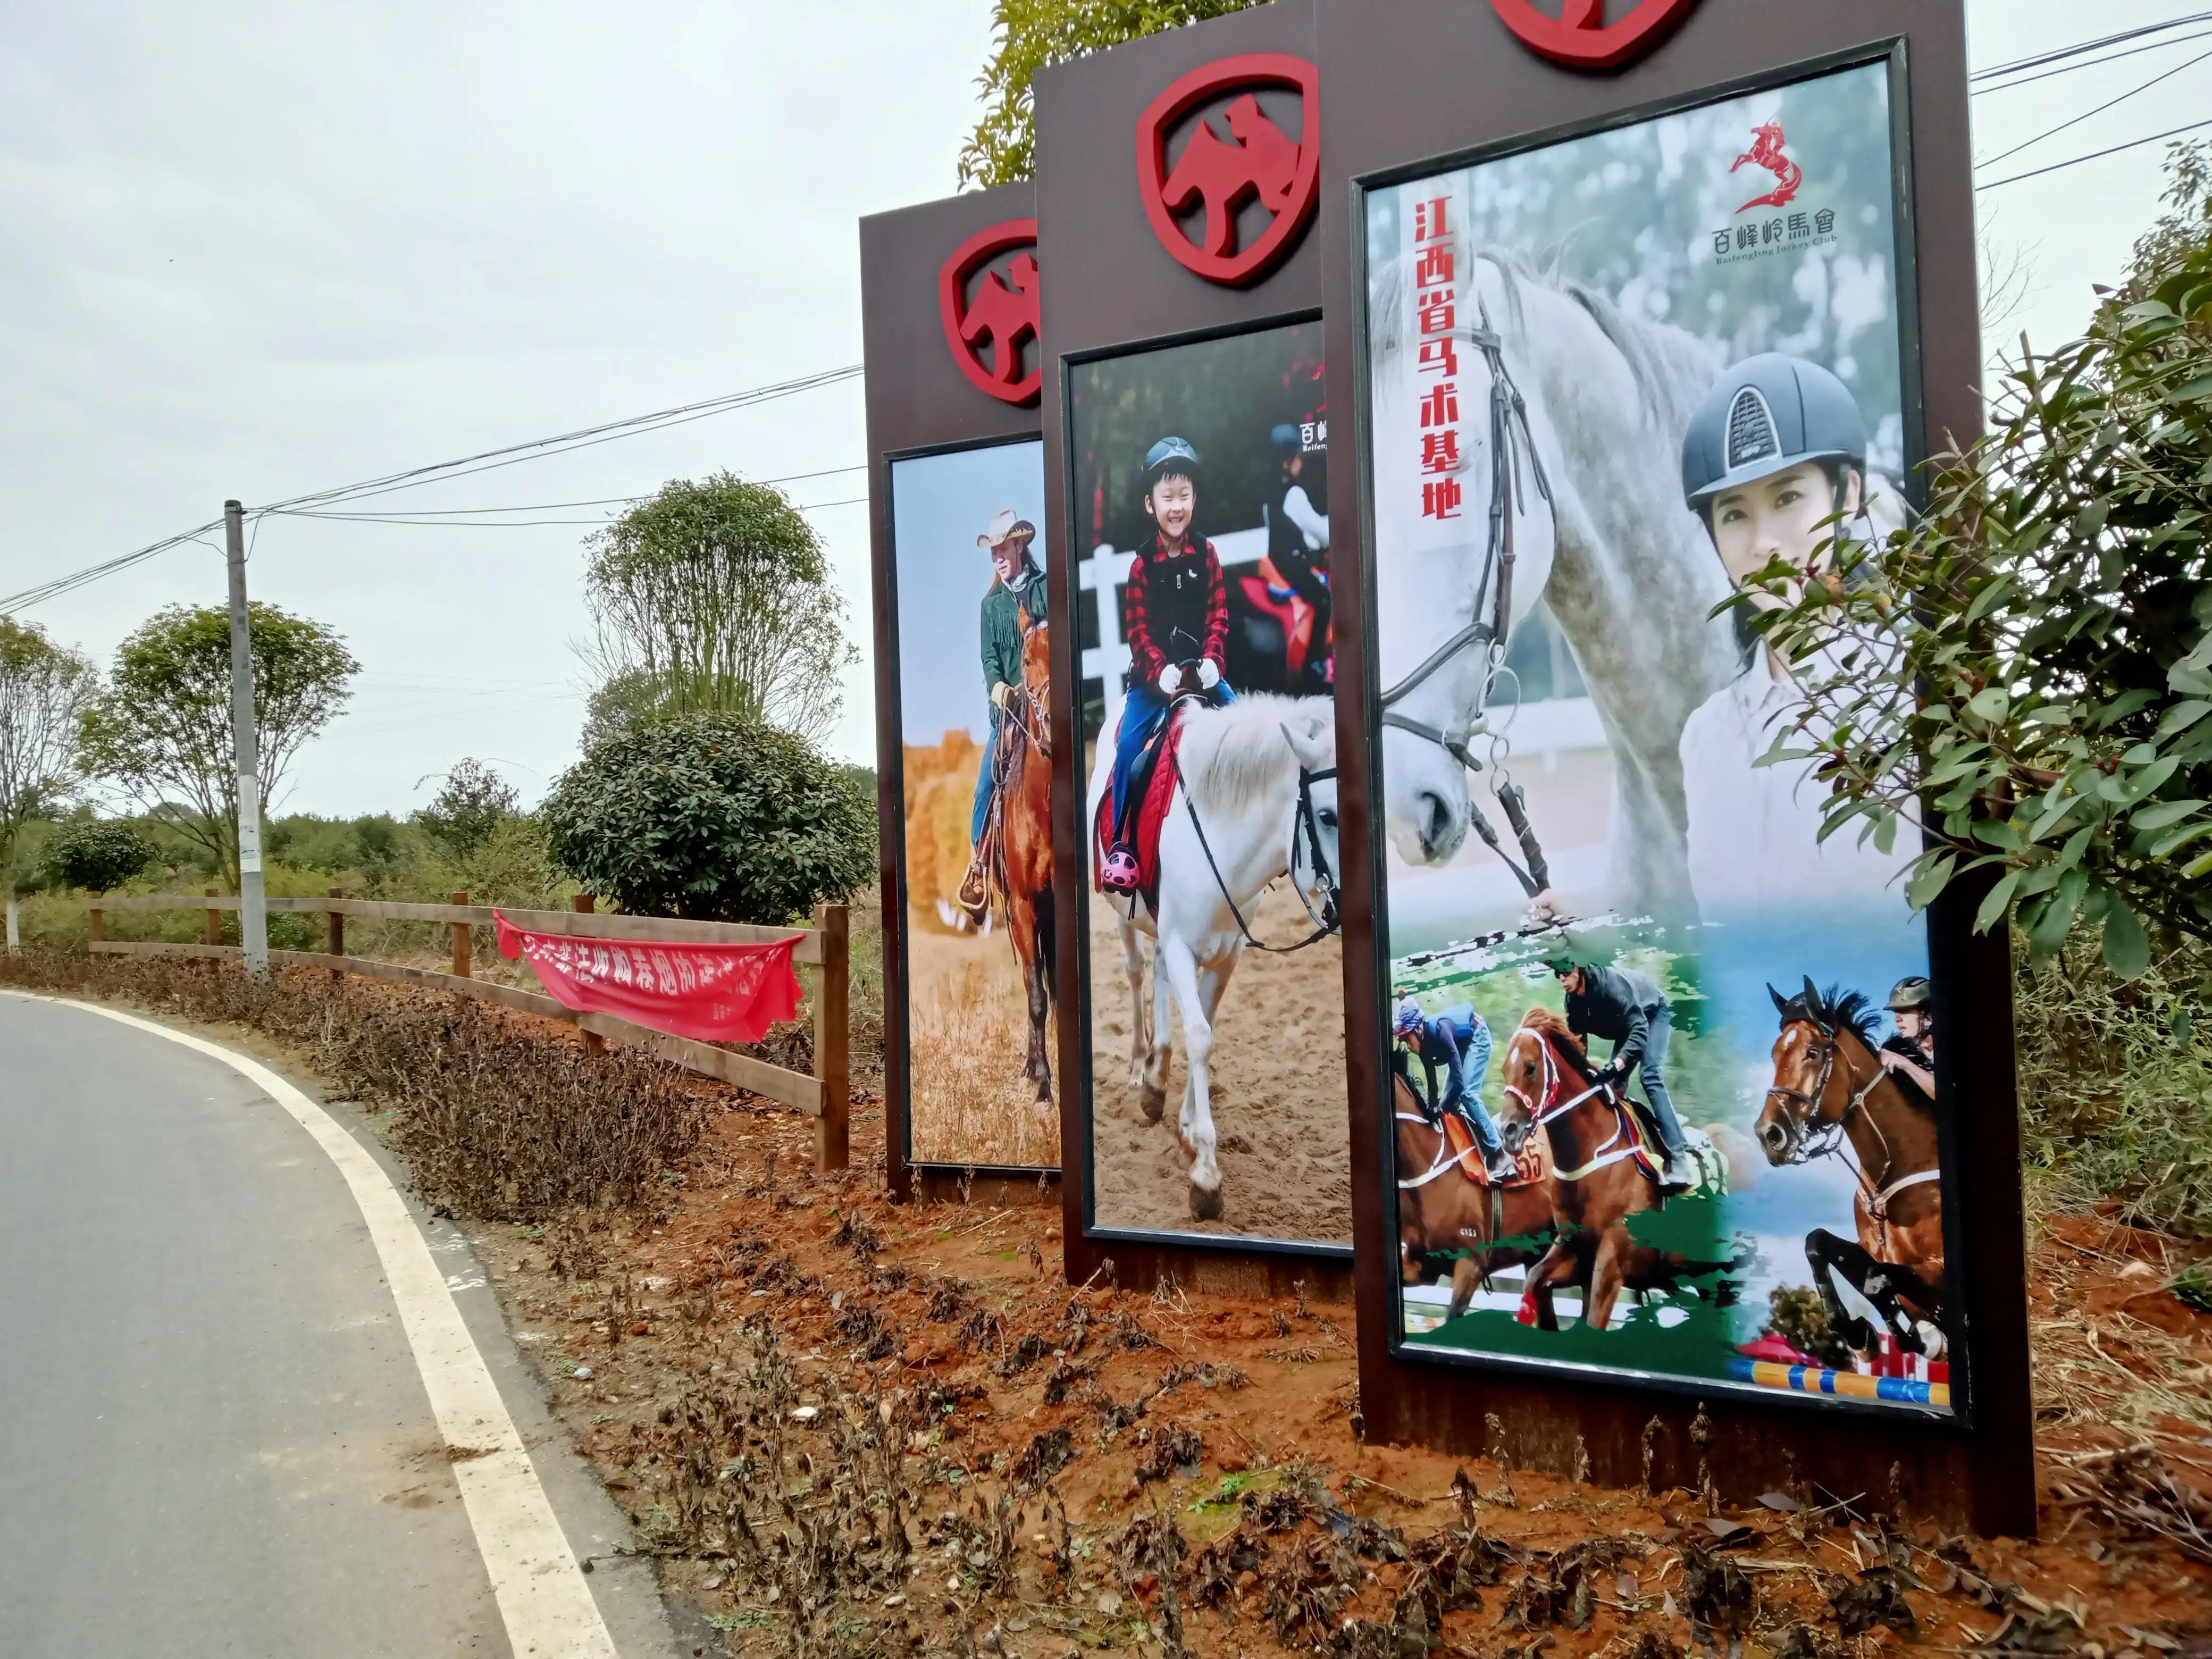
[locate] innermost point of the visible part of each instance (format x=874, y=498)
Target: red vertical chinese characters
x=1435, y=302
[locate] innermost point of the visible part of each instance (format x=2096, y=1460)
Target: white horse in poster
x=1248, y=784
x=1629, y=573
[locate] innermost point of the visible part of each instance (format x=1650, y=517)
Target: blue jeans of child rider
x=982, y=814
x=1652, y=1069
x=1142, y=710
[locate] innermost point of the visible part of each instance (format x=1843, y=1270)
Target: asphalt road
x=214, y=1437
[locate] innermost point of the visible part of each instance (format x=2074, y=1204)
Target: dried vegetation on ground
x=848, y=1428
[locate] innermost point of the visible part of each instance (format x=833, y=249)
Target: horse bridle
x=1827, y=1138
x=1509, y=432
x=1306, y=827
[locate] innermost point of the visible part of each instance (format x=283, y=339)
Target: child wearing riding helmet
x=1774, y=464
x=1174, y=611
x=1455, y=1042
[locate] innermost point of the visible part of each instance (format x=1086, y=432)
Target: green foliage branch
x=714, y=816
x=1035, y=34
x=161, y=730
x=472, y=802
x=2025, y=675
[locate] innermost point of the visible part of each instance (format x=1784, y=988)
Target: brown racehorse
x=1596, y=1182
x=1442, y=1210
x=1830, y=1086
x=1022, y=874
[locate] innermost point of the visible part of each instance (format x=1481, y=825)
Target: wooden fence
x=824, y=1094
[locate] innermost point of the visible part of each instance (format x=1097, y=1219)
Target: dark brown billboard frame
x=1977, y=1465
x=920, y=402
x=1112, y=289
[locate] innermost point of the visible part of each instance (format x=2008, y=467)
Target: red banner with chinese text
x=715, y=993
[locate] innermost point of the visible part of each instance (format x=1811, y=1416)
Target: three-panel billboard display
x=1395, y=852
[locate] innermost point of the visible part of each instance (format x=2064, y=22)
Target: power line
x=2093, y=63
x=2058, y=55
x=544, y=507
x=484, y=461
x=2133, y=143
x=2074, y=121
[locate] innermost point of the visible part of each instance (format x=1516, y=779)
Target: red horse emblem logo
x=1001, y=312
x=1217, y=175
x=1765, y=151
x=1579, y=36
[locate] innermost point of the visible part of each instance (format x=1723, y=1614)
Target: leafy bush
x=473, y=801
x=712, y=816
x=97, y=855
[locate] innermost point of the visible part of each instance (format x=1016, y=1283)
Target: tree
x=714, y=596
x=473, y=801
x=714, y=816
x=2027, y=672
x=45, y=688
x=98, y=855
x=162, y=729
x=1035, y=34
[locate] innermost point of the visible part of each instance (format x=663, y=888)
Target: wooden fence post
x=99, y=920
x=460, y=942
x=214, y=919
x=337, y=920
x=594, y=1042
x=833, y=1129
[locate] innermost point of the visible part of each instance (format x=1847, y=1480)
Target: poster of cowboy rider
x=974, y=676
x=1216, y=1099
x=1661, y=1057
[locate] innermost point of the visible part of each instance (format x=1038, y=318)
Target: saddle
x=1531, y=1164
x=1151, y=787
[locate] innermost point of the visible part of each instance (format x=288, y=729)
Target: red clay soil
x=1211, y=1494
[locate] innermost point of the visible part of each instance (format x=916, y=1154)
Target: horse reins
x=1509, y=432
x=1304, y=827
x=1605, y=1154
x=1816, y=1144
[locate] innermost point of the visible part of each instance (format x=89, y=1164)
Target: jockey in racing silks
x=1014, y=604
x=1457, y=1042
x=1629, y=1010
x=1174, y=611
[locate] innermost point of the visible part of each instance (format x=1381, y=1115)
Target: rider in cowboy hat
x=1457, y=1041
x=1774, y=464
x=1014, y=604
x=1911, y=1052
x=1175, y=610
x=1630, y=1011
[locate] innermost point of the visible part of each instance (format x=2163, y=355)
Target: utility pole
x=253, y=901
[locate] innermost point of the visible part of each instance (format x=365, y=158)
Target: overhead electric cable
x=2075, y=121
x=2093, y=63
x=2075, y=161
x=76, y=578
x=544, y=507
x=1997, y=72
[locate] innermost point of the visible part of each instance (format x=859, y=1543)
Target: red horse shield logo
x=1219, y=172
x=1579, y=36
x=1000, y=313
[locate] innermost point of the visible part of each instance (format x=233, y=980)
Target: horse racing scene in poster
x=1663, y=1056
x=1216, y=980
x=975, y=683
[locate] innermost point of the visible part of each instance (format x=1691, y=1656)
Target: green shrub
x=98, y=854
x=714, y=817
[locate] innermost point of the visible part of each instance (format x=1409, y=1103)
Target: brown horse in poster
x=1444, y=1212
x=1830, y=1087
x=1597, y=1180
x=1021, y=876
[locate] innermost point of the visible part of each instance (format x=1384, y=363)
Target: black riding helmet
x=1764, y=416
x=1169, y=455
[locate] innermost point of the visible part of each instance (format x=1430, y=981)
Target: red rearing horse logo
x=1219, y=174
x=1579, y=36
x=1001, y=312
x=1765, y=151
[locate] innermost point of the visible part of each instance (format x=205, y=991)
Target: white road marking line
x=542, y=1599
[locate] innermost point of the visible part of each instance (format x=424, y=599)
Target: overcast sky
x=254, y=251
